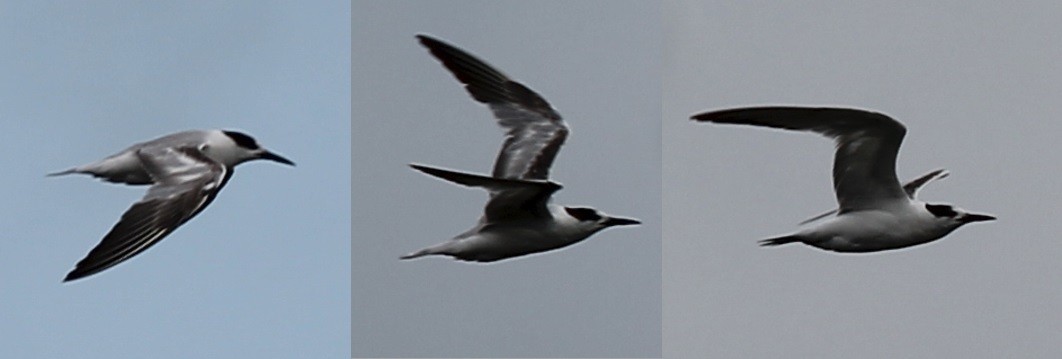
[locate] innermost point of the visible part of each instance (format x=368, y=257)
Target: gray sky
x=977, y=88
x=264, y=271
x=597, y=63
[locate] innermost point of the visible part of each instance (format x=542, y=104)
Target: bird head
x=955, y=216
x=238, y=147
x=596, y=219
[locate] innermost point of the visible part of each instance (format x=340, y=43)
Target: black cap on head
x=242, y=140
x=941, y=210
x=583, y=214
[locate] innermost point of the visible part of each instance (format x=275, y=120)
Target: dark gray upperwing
x=186, y=181
x=534, y=130
x=864, y=170
x=510, y=199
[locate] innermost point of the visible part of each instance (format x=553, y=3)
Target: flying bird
x=518, y=218
x=874, y=212
x=185, y=170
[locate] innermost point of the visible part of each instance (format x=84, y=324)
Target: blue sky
x=264, y=271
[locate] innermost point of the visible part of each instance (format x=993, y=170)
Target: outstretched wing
x=534, y=130
x=864, y=168
x=186, y=181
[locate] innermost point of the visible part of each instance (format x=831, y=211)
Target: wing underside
x=186, y=181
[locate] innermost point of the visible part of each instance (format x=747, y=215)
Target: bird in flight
x=185, y=170
x=875, y=213
x=518, y=218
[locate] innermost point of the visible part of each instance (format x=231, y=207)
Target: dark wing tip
x=426, y=168
x=75, y=275
x=442, y=50
x=420, y=167
x=804, y=118
x=701, y=117
x=86, y=267
x=732, y=115
x=141, y=227
x=430, y=41
x=89, y=266
x=485, y=83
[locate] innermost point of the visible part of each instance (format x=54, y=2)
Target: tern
x=875, y=213
x=519, y=218
x=185, y=170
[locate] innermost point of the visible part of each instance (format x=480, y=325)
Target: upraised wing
x=186, y=181
x=864, y=168
x=534, y=130
x=911, y=188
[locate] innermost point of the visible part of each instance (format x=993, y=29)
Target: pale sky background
x=977, y=86
x=264, y=271
x=598, y=63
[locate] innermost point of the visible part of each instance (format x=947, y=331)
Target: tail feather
x=777, y=241
x=62, y=173
x=420, y=253
x=447, y=248
x=441, y=248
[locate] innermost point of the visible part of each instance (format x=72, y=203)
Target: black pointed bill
x=977, y=218
x=613, y=221
x=266, y=155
